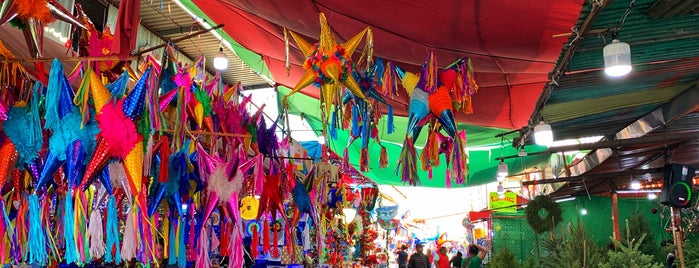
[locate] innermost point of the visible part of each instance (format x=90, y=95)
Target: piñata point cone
x=50, y=167
x=75, y=155
x=133, y=165
x=100, y=159
x=134, y=103
x=100, y=94
x=8, y=158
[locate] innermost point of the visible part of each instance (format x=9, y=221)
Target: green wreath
x=552, y=218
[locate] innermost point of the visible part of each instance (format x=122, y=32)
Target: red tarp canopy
x=511, y=43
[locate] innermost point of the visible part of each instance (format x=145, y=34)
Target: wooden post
x=615, y=216
x=677, y=234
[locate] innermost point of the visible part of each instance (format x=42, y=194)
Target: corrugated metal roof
x=585, y=102
x=172, y=22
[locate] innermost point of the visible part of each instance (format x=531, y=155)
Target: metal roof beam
x=175, y=31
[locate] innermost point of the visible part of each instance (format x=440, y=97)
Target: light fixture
x=583, y=211
x=617, y=58
x=635, y=184
x=502, y=169
x=543, y=135
x=522, y=152
x=565, y=199
x=321, y=139
x=220, y=60
x=652, y=196
x=349, y=213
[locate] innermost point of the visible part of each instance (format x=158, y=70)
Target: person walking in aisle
x=419, y=259
x=402, y=257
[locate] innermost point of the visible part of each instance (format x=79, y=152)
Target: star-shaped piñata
x=328, y=65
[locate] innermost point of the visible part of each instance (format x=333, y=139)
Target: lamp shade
x=220, y=60
x=349, y=213
x=543, y=135
x=501, y=191
x=502, y=170
x=617, y=58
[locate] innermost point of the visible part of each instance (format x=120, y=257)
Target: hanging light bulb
x=220, y=60
x=617, y=57
x=635, y=184
x=522, y=152
x=543, y=135
x=583, y=211
x=349, y=213
x=502, y=169
x=652, y=196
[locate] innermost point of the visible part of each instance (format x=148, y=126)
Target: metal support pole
x=677, y=234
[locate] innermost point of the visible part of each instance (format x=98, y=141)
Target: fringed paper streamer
x=460, y=156
x=96, y=235
x=154, y=232
x=333, y=125
x=275, y=241
x=112, y=233
x=383, y=158
x=128, y=247
x=53, y=94
x=355, y=121
x=428, y=74
x=71, y=254
x=407, y=165
x=266, y=243
x=148, y=157
x=172, y=249
x=447, y=178
x=181, y=249
x=180, y=119
x=344, y=164
x=191, y=235
x=429, y=157
x=81, y=240
x=203, y=260
x=37, y=239
x=167, y=237
x=237, y=254
x=364, y=160
x=255, y=242
x=3, y=256
x=389, y=121
x=289, y=247
x=368, y=49
x=83, y=94
x=389, y=83
x=226, y=233
x=22, y=229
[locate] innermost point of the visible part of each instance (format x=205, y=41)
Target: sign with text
x=507, y=203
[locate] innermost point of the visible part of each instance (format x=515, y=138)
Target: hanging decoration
x=328, y=66
x=540, y=223
x=157, y=160
x=433, y=96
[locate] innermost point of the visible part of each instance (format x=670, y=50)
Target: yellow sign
x=508, y=203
